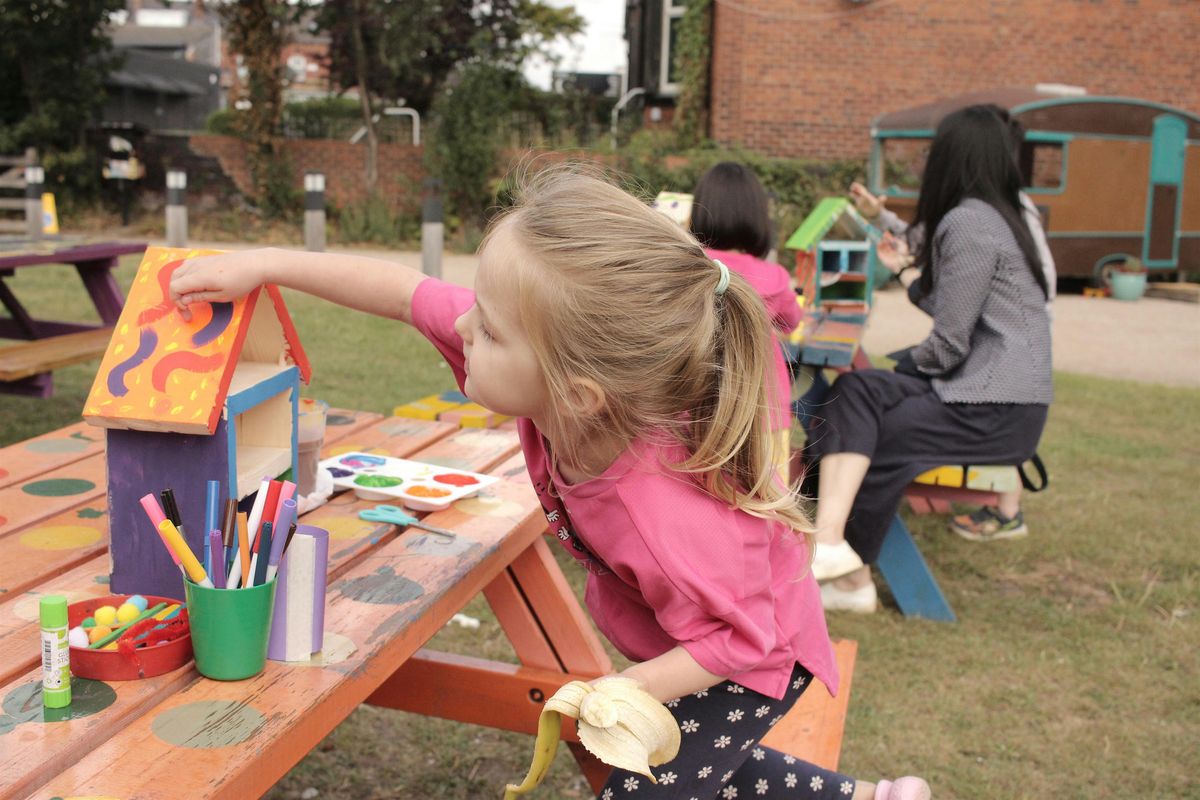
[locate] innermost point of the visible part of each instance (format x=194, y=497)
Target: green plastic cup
x=230, y=629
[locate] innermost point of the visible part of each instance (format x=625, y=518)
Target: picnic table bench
x=26, y=367
x=389, y=591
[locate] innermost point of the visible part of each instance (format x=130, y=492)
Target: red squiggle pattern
x=155, y=313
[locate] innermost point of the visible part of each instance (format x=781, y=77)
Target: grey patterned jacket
x=991, y=334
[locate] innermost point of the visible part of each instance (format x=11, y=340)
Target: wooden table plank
x=402, y=438
x=23, y=460
x=51, y=493
x=387, y=605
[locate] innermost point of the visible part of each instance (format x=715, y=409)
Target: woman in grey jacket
x=975, y=391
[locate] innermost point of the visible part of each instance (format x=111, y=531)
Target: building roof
x=155, y=73
x=156, y=37
x=1041, y=110
x=161, y=373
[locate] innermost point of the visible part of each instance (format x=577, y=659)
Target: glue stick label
x=56, y=658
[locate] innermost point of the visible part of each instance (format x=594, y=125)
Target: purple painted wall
x=141, y=463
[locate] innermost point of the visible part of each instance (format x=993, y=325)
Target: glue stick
x=56, y=653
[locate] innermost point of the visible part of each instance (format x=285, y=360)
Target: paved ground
x=1151, y=340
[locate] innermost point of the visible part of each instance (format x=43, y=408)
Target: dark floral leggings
x=720, y=757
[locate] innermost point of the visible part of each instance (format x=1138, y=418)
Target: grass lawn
x=1074, y=670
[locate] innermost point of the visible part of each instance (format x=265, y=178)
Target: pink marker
x=155, y=513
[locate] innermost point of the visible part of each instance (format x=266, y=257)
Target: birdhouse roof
x=162, y=373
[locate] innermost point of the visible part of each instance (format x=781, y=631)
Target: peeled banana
x=618, y=723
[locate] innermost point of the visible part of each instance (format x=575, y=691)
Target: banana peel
x=618, y=723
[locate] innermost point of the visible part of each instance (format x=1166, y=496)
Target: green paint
x=58, y=487
x=52, y=446
x=338, y=419
x=378, y=481
x=818, y=223
x=208, y=724
x=90, y=513
x=384, y=587
x=24, y=703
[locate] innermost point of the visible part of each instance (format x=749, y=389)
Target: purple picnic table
x=94, y=261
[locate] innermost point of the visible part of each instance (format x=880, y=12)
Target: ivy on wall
x=693, y=53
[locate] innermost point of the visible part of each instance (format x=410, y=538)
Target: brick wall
x=401, y=170
x=804, y=78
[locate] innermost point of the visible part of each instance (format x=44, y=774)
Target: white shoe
x=863, y=600
x=834, y=561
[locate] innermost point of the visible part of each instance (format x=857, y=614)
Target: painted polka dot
x=24, y=703
x=26, y=607
x=3, y=473
x=338, y=419
x=208, y=724
x=352, y=447
x=52, y=446
x=60, y=537
x=485, y=505
x=58, y=487
x=347, y=527
x=335, y=649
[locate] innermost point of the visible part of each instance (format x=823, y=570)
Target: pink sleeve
x=782, y=306
x=698, y=565
x=436, y=305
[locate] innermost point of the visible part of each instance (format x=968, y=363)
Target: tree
x=404, y=51
x=258, y=30
x=54, y=57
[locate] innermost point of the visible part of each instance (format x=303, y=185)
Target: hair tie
x=723, y=283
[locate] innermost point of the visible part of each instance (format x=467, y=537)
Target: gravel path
x=1151, y=340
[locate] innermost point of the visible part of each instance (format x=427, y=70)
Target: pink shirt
x=774, y=287
x=667, y=563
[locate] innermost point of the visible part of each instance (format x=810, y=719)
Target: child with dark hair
x=730, y=218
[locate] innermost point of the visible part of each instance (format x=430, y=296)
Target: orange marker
x=244, y=547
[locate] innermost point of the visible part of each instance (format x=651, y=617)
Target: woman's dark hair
x=972, y=156
x=729, y=210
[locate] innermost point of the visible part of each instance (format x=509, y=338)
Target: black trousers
x=901, y=424
x=720, y=757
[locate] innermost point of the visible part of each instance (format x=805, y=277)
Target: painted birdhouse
x=835, y=258
x=185, y=402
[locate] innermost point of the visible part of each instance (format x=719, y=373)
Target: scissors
x=398, y=516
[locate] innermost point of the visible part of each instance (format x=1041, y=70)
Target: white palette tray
x=419, y=486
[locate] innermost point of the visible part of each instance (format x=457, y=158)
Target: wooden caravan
x=185, y=402
x=1114, y=177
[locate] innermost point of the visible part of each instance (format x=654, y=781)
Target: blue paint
x=116, y=376
x=222, y=313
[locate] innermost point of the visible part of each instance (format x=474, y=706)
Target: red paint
x=455, y=480
x=184, y=360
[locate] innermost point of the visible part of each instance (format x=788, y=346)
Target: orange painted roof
x=162, y=373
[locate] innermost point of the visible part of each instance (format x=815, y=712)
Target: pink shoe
x=909, y=787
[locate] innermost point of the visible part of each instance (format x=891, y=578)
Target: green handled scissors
x=398, y=516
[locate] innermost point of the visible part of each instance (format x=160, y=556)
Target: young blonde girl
x=638, y=369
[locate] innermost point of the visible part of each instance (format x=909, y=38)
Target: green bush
x=373, y=220
x=652, y=164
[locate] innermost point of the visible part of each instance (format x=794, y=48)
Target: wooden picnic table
x=58, y=342
x=389, y=591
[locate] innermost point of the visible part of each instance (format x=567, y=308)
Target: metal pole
x=177, y=222
x=34, y=178
x=616, y=112
x=314, y=211
x=432, y=229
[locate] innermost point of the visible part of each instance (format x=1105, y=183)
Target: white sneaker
x=834, y=561
x=863, y=600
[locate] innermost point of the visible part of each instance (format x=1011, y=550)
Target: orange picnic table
x=389, y=591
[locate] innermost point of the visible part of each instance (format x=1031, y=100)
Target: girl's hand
x=214, y=279
x=867, y=204
x=893, y=253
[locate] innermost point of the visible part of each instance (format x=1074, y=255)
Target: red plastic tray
x=111, y=665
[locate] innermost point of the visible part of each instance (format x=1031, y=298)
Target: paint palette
x=419, y=486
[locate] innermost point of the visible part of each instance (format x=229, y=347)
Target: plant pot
x=1128, y=285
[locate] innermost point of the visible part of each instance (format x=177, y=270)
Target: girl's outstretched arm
x=671, y=675
x=366, y=284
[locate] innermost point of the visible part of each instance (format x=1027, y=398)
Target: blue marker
x=212, y=501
